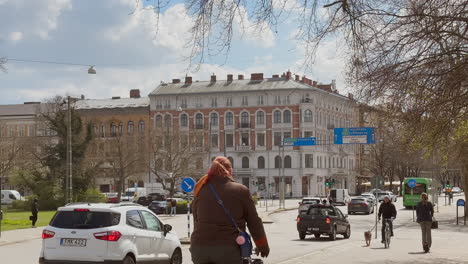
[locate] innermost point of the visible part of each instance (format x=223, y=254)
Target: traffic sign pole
x=187, y=185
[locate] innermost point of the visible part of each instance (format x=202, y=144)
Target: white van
x=8, y=196
x=132, y=194
x=339, y=196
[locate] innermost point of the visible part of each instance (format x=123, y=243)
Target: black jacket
x=424, y=212
x=388, y=210
x=34, y=208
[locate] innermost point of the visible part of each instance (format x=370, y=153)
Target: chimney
x=275, y=76
x=351, y=96
x=135, y=93
x=115, y=97
x=188, y=80
x=288, y=75
x=240, y=77
x=229, y=77
x=82, y=97
x=296, y=77
x=175, y=80
x=213, y=78
x=314, y=83
x=256, y=77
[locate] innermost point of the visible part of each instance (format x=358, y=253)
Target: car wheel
x=128, y=260
x=316, y=235
x=333, y=234
x=350, y=213
x=176, y=257
x=348, y=232
x=302, y=235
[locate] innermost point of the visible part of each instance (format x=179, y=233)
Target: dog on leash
x=368, y=237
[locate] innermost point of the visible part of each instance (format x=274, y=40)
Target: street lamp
x=91, y=70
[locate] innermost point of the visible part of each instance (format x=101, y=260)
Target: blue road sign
x=354, y=135
x=460, y=202
x=310, y=141
x=412, y=183
x=187, y=185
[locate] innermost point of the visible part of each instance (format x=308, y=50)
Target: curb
x=185, y=241
x=17, y=242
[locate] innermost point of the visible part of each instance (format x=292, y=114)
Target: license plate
x=313, y=229
x=73, y=242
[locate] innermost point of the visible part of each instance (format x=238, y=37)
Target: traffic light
x=326, y=182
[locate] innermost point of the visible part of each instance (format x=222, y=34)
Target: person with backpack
x=222, y=211
x=424, y=216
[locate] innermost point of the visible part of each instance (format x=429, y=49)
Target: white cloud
x=16, y=36
x=259, y=35
x=48, y=16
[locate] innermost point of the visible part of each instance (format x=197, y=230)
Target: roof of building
x=19, y=109
x=112, y=103
x=267, y=84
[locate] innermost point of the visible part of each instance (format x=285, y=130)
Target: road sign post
x=187, y=185
x=461, y=202
x=412, y=184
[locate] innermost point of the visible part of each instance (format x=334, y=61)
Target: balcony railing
x=196, y=149
x=244, y=125
x=198, y=126
x=244, y=148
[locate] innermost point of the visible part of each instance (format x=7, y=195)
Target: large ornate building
x=247, y=121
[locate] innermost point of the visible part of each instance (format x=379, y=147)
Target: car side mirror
x=167, y=229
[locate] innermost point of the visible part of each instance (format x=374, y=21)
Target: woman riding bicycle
x=388, y=210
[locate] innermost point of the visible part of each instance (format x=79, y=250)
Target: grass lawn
x=19, y=220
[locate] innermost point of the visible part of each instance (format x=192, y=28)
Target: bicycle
x=388, y=232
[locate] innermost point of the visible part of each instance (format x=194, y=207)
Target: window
x=103, y=130
x=130, y=128
x=158, y=121
x=199, y=121
x=286, y=100
x=245, y=163
x=308, y=134
x=167, y=104
x=307, y=116
x=229, y=140
x=277, y=162
x=229, y=119
x=167, y=121
x=245, y=100
x=183, y=120
x=141, y=127
x=113, y=130
x=184, y=141
x=31, y=131
x=214, y=102
x=260, y=100
x=287, y=116
x=158, y=104
x=84, y=220
x=286, y=135
x=120, y=129
x=277, y=99
x=261, y=139
x=287, y=162
x=277, y=116
x=229, y=101
x=261, y=162
x=245, y=139
x=151, y=222
x=22, y=131
x=198, y=140
x=245, y=119
x=214, y=140
x=183, y=103
x=232, y=161
x=134, y=219
x=214, y=119
x=277, y=138
x=309, y=160
x=260, y=118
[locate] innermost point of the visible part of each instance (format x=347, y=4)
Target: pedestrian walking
x=173, y=207
x=215, y=239
x=34, y=212
x=424, y=216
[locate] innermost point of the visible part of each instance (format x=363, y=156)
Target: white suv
x=108, y=233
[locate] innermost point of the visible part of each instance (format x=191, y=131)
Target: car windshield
x=310, y=201
x=354, y=201
x=418, y=190
x=129, y=193
x=325, y=211
x=84, y=219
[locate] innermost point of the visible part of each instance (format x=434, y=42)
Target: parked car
x=108, y=233
x=456, y=190
x=306, y=202
x=368, y=195
x=144, y=200
x=9, y=196
x=339, y=196
x=375, y=192
x=158, y=207
x=112, y=197
x=360, y=205
x=323, y=219
x=381, y=196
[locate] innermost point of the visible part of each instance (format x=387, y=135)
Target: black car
x=158, y=207
x=323, y=220
x=145, y=201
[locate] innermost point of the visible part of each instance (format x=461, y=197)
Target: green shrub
x=20, y=205
x=92, y=196
x=255, y=199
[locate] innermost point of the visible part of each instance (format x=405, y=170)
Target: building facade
x=247, y=120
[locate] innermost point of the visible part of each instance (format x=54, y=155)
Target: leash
x=373, y=227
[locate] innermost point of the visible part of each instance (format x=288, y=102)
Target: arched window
x=287, y=162
x=245, y=162
x=199, y=120
x=183, y=120
x=141, y=127
x=287, y=116
x=103, y=130
x=130, y=128
x=158, y=121
x=277, y=162
x=261, y=162
x=260, y=118
x=229, y=119
x=307, y=116
x=113, y=130
x=245, y=119
x=120, y=129
x=167, y=121
x=214, y=119
x=277, y=116
x=232, y=161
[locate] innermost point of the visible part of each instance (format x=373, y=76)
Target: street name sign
x=309, y=141
x=354, y=135
x=412, y=183
x=188, y=184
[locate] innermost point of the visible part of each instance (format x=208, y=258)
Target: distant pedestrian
x=173, y=207
x=34, y=212
x=215, y=238
x=425, y=213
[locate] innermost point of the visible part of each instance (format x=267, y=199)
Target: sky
x=129, y=52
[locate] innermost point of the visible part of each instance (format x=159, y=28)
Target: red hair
x=221, y=167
